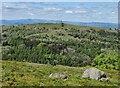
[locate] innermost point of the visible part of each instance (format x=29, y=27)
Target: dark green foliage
x=31, y=43
x=108, y=60
x=56, y=47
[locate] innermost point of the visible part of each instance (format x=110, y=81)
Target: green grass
x=30, y=74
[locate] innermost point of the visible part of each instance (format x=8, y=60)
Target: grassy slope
x=31, y=74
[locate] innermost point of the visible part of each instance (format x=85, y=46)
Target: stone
x=105, y=79
x=57, y=75
x=93, y=73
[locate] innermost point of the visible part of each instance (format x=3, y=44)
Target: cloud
x=53, y=9
x=76, y=12
x=85, y=11
x=80, y=11
x=69, y=11
x=114, y=12
x=99, y=13
x=14, y=6
x=31, y=14
x=78, y=7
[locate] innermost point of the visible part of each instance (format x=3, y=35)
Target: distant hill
x=31, y=21
x=99, y=24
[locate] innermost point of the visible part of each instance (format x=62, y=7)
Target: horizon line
x=60, y=20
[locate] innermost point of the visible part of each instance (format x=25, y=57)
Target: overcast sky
x=67, y=11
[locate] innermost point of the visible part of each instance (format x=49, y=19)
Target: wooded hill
x=64, y=44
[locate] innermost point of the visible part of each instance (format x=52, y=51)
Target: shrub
x=108, y=60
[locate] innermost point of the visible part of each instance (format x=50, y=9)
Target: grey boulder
x=93, y=73
x=58, y=75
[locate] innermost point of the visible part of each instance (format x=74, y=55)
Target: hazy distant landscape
x=31, y=21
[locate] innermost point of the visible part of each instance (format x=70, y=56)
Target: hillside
x=31, y=74
x=63, y=44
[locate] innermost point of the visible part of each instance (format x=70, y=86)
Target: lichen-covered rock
x=57, y=75
x=93, y=73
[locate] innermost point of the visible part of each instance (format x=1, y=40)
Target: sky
x=66, y=11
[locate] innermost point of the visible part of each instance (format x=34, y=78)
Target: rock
x=70, y=50
x=93, y=73
x=63, y=77
x=57, y=75
x=105, y=79
x=103, y=50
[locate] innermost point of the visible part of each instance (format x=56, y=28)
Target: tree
x=110, y=28
x=62, y=24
